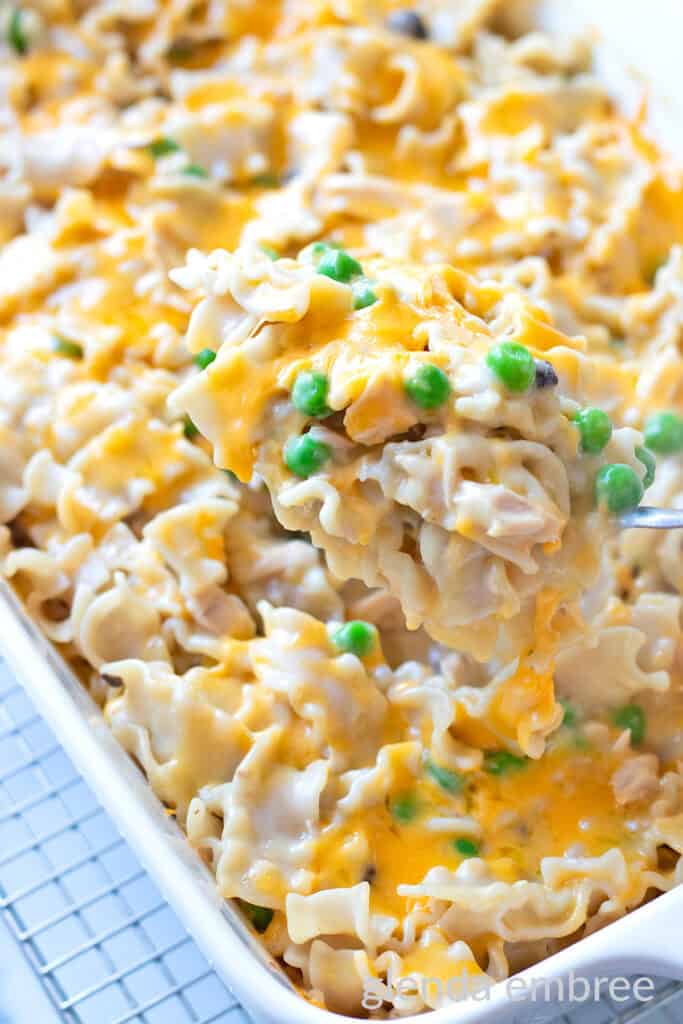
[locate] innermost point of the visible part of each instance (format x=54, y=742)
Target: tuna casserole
x=335, y=336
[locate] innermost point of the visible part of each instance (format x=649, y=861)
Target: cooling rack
x=93, y=927
x=94, y=930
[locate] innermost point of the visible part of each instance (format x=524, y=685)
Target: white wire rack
x=95, y=931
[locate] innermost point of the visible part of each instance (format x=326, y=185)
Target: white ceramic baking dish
x=648, y=941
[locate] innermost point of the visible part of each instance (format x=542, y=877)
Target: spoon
x=647, y=517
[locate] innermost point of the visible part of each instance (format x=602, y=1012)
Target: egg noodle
x=335, y=335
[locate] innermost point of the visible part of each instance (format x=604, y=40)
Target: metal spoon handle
x=653, y=518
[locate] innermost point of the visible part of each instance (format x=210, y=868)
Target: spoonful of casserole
x=429, y=432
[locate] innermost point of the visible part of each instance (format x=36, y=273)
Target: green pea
x=309, y=394
x=650, y=463
x=190, y=430
x=466, y=847
x=16, y=35
x=204, y=358
x=363, y=295
x=162, y=147
x=664, y=433
x=337, y=264
x=319, y=248
x=652, y=268
x=513, y=365
x=180, y=51
x=265, y=181
x=595, y=429
x=404, y=808
x=260, y=917
x=632, y=717
x=501, y=762
x=271, y=253
x=64, y=347
x=356, y=637
x=195, y=171
x=451, y=781
x=618, y=487
x=570, y=717
x=305, y=456
x=429, y=386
